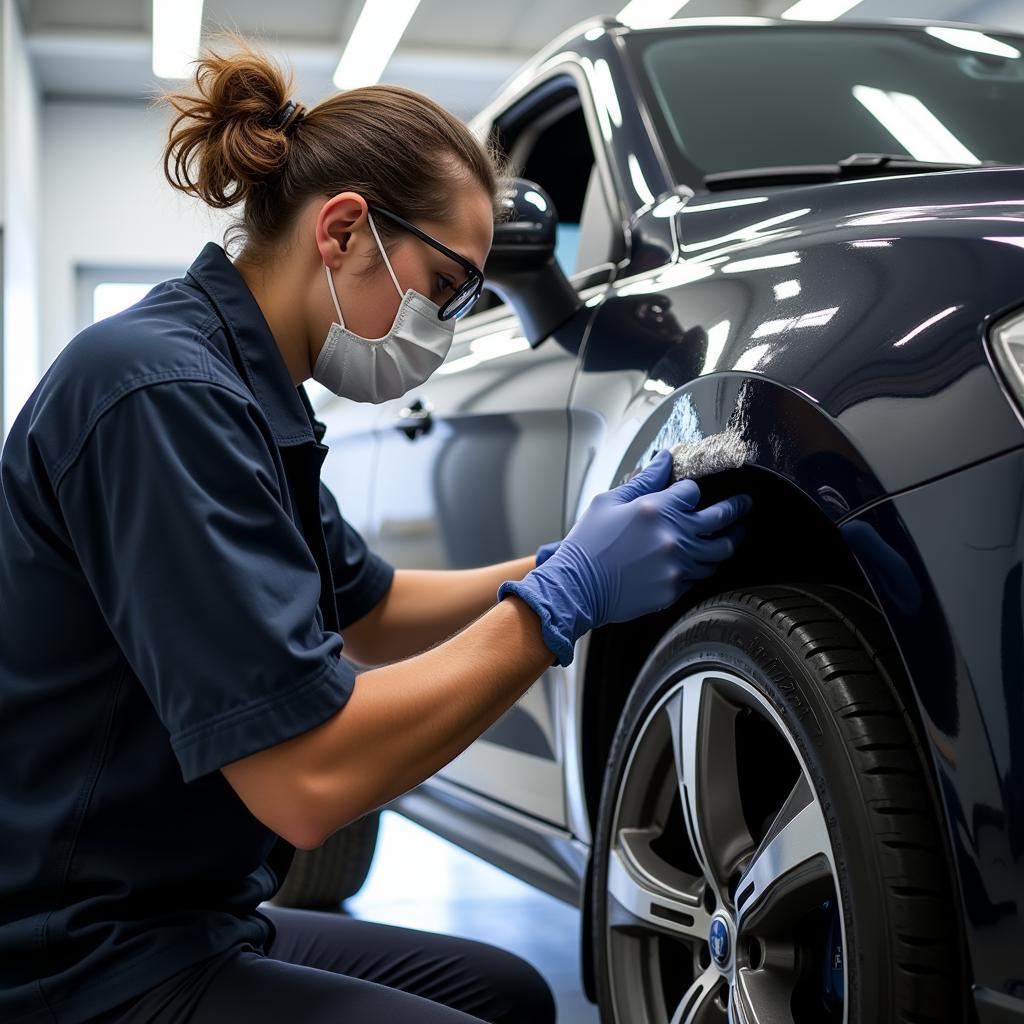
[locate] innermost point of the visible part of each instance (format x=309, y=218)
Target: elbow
x=304, y=839
x=302, y=812
x=312, y=834
x=319, y=817
x=306, y=831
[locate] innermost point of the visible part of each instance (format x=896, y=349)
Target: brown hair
x=396, y=147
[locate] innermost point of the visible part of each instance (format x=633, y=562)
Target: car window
x=556, y=153
x=811, y=95
x=552, y=146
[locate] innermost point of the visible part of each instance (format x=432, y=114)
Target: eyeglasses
x=468, y=292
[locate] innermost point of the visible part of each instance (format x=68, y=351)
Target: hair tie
x=288, y=117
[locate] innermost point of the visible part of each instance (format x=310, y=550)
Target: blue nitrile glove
x=545, y=551
x=636, y=549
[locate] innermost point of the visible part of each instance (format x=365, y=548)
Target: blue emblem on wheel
x=718, y=941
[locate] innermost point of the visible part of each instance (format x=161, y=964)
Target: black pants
x=325, y=968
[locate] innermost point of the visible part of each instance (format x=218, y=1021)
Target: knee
x=520, y=993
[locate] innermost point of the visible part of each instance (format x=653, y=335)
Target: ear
x=338, y=218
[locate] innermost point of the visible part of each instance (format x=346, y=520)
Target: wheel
x=333, y=872
x=768, y=845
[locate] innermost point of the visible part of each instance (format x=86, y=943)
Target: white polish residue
x=695, y=456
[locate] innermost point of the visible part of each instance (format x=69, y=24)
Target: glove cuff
x=556, y=640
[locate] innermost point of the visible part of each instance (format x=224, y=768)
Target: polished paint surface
x=946, y=561
x=838, y=329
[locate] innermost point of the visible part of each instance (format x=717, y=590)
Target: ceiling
x=458, y=51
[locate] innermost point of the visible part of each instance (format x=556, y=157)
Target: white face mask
x=379, y=369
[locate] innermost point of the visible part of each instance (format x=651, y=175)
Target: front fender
x=784, y=432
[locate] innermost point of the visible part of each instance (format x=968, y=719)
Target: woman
x=174, y=714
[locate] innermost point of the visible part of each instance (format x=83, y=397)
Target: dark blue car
x=797, y=795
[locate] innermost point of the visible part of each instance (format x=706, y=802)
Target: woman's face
x=368, y=297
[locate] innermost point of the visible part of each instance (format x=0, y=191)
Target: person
x=175, y=714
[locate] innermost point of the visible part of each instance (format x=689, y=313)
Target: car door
x=471, y=466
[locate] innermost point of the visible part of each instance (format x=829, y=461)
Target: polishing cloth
x=707, y=455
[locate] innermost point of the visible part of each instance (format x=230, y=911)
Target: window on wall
x=104, y=291
x=111, y=297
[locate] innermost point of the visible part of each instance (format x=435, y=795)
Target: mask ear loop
x=334, y=294
x=387, y=262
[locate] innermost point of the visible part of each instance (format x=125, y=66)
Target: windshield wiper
x=859, y=165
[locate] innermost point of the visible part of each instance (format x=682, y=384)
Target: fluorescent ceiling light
x=969, y=39
x=818, y=318
x=928, y=323
x=1011, y=240
x=605, y=99
x=781, y=259
x=176, y=28
x=914, y=126
x=717, y=337
x=636, y=175
x=819, y=10
x=748, y=360
x=379, y=27
x=638, y=13
x=726, y=204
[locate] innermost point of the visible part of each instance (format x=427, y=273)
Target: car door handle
x=415, y=419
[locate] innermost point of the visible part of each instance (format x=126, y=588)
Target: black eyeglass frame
x=468, y=292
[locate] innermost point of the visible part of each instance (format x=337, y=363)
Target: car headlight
x=1008, y=351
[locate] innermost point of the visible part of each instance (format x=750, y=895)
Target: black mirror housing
x=521, y=265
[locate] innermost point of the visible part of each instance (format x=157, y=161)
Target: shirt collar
x=269, y=378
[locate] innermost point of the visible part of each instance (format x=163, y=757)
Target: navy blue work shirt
x=173, y=580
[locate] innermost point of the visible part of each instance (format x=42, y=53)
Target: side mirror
x=521, y=265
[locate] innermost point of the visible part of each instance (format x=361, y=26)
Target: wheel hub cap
x=719, y=941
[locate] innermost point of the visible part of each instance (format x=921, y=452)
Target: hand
x=636, y=549
x=545, y=551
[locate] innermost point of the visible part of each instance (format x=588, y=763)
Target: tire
x=769, y=843
x=322, y=878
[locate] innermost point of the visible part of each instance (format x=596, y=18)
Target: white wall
x=19, y=183
x=106, y=203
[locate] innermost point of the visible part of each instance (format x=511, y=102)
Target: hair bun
x=230, y=134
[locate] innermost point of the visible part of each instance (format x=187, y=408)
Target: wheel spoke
x=762, y=997
x=794, y=855
x=704, y=745
x=736, y=1012
x=675, y=709
x=654, y=895
x=698, y=1004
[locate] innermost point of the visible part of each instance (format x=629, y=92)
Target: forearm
x=424, y=607
x=406, y=720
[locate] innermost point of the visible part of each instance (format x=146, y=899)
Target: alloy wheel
x=723, y=899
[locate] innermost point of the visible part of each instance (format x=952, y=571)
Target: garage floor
x=421, y=881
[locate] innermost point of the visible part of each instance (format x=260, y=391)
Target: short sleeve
x=361, y=577
x=175, y=511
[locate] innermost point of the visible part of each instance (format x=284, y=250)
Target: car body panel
x=946, y=564
x=484, y=483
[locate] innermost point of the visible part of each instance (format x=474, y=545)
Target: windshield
x=737, y=98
